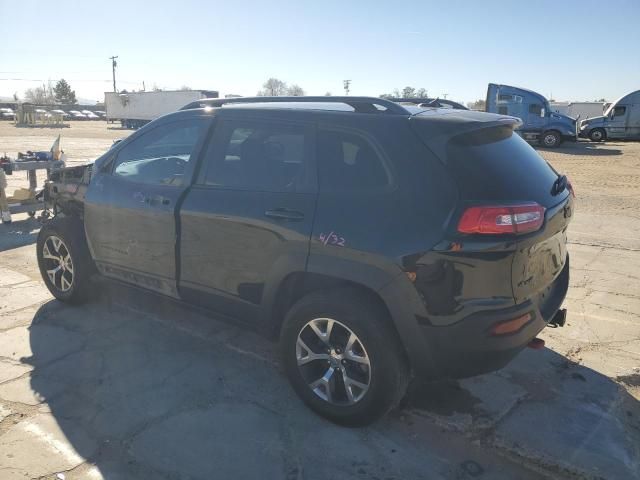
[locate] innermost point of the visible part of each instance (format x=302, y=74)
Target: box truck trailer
x=135, y=109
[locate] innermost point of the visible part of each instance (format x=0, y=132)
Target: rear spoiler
x=443, y=128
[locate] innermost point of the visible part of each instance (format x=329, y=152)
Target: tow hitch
x=559, y=318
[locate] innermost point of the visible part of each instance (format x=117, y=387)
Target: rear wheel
x=597, y=135
x=343, y=358
x=64, y=260
x=551, y=139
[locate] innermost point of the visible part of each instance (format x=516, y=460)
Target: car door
x=130, y=204
x=617, y=124
x=247, y=221
x=536, y=115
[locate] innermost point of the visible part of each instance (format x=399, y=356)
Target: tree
x=477, y=105
x=327, y=94
x=273, y=87
x=63, y=93
x=422, y=93
x=40, y=95
x=408, y=92
x=185, y=88
x=15, y=97
x=295, y=91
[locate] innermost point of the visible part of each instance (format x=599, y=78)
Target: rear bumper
x=467, y=348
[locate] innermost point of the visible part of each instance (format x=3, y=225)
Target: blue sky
x=575, y=50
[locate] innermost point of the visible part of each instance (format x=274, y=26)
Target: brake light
x=503, y=219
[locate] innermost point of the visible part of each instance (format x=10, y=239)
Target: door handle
x=284, y=214
x=157, y=200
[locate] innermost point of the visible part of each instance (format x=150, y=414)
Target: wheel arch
x=298, y=284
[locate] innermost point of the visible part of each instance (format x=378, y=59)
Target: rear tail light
x=502, y=219
x=570, y=188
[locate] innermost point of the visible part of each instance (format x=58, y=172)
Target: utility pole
x=346, y=83
x=113, y=69
x=445, y=95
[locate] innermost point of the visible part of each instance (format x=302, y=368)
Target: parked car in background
x=101, y=114
x=7, y=114
x=539, y=123
x=77, y=115
x=91, y=116
x=621, y=120
x=64, y=114
x=377, y=241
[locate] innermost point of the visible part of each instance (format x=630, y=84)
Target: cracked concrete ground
x=132, y=386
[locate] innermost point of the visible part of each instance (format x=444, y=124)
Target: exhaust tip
x=536, y=344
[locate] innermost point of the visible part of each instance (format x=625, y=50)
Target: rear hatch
x=495, y=168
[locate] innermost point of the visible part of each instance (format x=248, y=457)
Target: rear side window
x=507, y=98
x=348, y=161
x=258, y=156
x=494, y=164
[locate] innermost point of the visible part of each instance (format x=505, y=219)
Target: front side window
x=258, y=156
x=161, y=155
x=619, y=111
x=535, y=108
x=348, y=161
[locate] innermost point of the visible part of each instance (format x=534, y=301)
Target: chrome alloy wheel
x=57, y=262
x=333, y=361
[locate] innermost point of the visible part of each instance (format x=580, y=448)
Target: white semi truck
x=135, y=109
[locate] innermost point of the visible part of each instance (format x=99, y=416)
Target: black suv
x=378, y=241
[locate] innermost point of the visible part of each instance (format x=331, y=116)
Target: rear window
x=495, y=164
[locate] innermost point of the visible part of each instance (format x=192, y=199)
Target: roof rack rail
x=359, y=104
x=430, y=102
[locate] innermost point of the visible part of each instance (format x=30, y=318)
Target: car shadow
x=143, y=388
x=583, y=149
x=546, y=407
x=18, y=233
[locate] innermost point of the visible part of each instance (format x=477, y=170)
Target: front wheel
x=64, y=260
x=343, y=358
x=597, y=135
x=551, y=139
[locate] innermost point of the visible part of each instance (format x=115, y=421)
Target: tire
x=597, y=135
x=551, y=139
x=64, y=238
x=386, y=376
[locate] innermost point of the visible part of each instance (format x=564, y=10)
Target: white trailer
x=137, y=108
x=579, y=110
